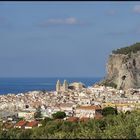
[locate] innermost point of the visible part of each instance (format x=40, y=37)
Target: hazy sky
x=72, y=39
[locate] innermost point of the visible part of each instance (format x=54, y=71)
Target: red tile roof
x=32, y=123
x=21, y=123
x=73, y=119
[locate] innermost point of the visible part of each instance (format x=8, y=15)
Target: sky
x=64, y=39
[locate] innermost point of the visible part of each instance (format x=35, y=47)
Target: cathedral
x=72, y=86
x=60, y=87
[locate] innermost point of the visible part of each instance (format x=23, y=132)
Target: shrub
x=109, y=111
x=47, y=119
x=110, y=84
x=59, y=115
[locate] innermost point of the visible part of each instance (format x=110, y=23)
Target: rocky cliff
x=123, y=70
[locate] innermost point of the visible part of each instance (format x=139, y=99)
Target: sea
x=23, y=85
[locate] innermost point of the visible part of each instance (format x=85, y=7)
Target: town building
x=21, y=124
x=26, y=115
x=31, y=124
x=87, y=111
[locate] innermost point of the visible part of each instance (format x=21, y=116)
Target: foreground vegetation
x=127, y=50
x=120, y=125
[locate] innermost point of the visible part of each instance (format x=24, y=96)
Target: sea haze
x=21, y=85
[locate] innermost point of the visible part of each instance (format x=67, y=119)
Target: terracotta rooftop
x=73, y=119
x=21, y=123
x=32, y=123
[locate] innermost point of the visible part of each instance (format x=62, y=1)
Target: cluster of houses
x=27, y=125
x=26, y=119
x=21, y=124
x=77, y=101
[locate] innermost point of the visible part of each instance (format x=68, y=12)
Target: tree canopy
x=127, y=50
x=109, y=111
x=59, y=115
x=38, y=113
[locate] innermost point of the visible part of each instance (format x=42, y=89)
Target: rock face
x=123, y=70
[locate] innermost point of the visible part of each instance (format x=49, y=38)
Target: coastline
x=22, y=85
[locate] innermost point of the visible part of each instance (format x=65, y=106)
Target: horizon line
x=59, y=77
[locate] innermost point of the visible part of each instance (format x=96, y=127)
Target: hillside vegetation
x=120, y=126
x=127, y=50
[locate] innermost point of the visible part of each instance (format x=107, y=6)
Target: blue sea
x=21, y=85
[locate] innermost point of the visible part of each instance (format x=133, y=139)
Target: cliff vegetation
x=127, y=50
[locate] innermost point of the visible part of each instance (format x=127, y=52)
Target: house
x=87, y=111
x=124, y=108
x=31, y=124
x=54, y=109
x=45, y=113
x=20, y=124
x=84, y=101
x=67, y=108
x=26, y=114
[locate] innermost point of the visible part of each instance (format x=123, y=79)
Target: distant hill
x=127, y=50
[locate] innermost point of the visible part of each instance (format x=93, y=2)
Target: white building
x=86, y=111
x=26, y=115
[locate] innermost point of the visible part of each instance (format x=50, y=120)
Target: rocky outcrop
x=123, y=70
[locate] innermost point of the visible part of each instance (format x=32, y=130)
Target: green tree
x=38, y=113
x=109, y=111
x=44, y=121
x=127, y=112
x=59, y=115
x=138, y=132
